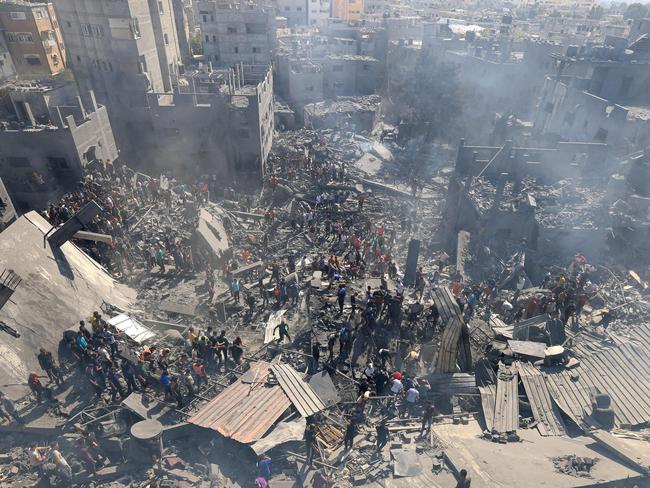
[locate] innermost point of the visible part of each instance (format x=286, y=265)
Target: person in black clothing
x=382, y=435
x=47, y=363
x=315, y=354
x=128, y=371
x=350, y=432
x=237, y=350
x=331, y=342
x=310, y=440
x=221, y=343
x=380, y=378
x=427, y=418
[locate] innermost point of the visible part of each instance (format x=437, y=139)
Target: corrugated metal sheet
x=300, y=393
x=621, y=372
x=132, y=328
x=544, y=410
x=449, y=345
x=506, y=407
x=488, y=399
x=246, y=409
x=447, y=305
x=452, y=383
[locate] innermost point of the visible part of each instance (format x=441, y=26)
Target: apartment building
x=33, y=38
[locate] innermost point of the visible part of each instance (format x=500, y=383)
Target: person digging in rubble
x=48, y=364
x=283, y=330
x=8, y=409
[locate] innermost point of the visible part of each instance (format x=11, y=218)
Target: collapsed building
x=48, y=137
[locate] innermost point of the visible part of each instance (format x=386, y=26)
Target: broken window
x=55, y=163
x=135, y=28
x=33, y=59
x=18, y=162
x=257, y=50
x=232, y=30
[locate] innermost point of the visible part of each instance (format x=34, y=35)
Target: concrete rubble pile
x=319, y=333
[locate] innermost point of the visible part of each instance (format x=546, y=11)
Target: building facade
x=7, y=68
x=347, y=9
x=33, y=37
x=51, y=137
x=237, y=33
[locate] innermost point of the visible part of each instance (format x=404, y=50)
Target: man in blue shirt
x=264, y=466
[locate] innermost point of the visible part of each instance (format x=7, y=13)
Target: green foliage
x=195, y=44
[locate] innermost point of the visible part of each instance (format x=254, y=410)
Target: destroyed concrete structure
x=235, y=33
x=47, y=139
x=313, y=291
x=33, y=39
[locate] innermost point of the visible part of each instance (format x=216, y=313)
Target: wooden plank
x=544, y=410
x=638, y=459
x=506, y=409
x=488, y=399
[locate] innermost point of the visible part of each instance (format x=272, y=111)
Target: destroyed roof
x=302, y=396
x=247, y=409
x=621, y=372
x=59, y=288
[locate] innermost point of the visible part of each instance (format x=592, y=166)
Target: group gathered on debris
x=368, y=335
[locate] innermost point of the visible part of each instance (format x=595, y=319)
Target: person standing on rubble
x=64, y=469
x=234, y=289
x=48, y=364
x=221, y=344
x=427, y=418
x=283, y=330
x=350, y=432
x=341, y=297
x=36, y=386
x=199, y=372
x=310, y=441
x=8, y=409
x=129, y=376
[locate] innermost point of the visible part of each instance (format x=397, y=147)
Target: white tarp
x=273, y=322
x=132, y=328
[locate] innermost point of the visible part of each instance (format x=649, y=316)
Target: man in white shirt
x=396, y=387
x=412, y=397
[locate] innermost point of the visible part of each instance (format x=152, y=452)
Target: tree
x=636, y=11
x=195, y=44
x=596, y=12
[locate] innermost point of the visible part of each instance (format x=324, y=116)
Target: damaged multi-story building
x=33, y=38
x=47, y=138
x=234, y=33
x=600, y=94
x=501, y=200
x=312, y=67
x=130, y=55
